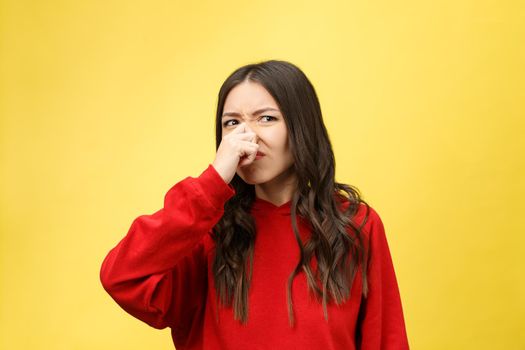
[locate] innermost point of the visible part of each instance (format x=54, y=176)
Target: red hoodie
x=160, y=273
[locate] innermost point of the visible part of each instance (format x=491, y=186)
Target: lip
x=259, y=155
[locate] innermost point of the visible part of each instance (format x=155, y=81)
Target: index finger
x=239, y=128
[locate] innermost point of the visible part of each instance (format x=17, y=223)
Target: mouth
x=259, y=155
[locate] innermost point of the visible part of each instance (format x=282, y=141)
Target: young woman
x=263, y=250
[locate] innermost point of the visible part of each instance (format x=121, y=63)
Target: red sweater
x=160, y=273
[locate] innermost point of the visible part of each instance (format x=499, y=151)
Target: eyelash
x=225, y=124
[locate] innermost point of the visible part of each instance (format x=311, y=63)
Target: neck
x=279, y=190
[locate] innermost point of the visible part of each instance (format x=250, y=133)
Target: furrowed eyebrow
x=259, y=111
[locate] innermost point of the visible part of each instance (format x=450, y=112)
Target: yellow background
x=106, y=104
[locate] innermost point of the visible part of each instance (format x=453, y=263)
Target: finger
x=239, y=128
x=248, y=155
x=242, y=131
x=248, y=136
x=245, y=139
x=252, y=154
x=250, y=131
x=245, y=161
x=249, y=145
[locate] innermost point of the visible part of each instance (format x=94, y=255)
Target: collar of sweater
x=262, y=206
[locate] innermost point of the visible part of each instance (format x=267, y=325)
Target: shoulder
x=365, y=217
x=368, y=214
x=364, y=213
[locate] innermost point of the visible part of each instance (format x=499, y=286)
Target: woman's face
x=251, y=103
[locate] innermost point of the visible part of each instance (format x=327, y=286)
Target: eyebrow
x=261, y=110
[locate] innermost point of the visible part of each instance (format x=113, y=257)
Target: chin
x=254, y=178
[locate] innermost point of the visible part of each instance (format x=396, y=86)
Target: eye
x=269, y=116
x=225, y=124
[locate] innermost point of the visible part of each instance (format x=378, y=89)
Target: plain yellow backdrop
x=106, y=104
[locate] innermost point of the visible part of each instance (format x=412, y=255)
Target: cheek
x=281, y=139
x=280, y=148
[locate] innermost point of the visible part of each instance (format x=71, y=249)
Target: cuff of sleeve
x=213, y=186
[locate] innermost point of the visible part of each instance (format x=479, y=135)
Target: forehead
x=248, y=95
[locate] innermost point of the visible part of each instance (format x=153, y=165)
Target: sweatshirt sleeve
x=158, y=271
x=382, y=325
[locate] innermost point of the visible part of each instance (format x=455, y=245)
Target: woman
x=263, y=250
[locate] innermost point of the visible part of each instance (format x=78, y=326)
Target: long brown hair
x=338, y=253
